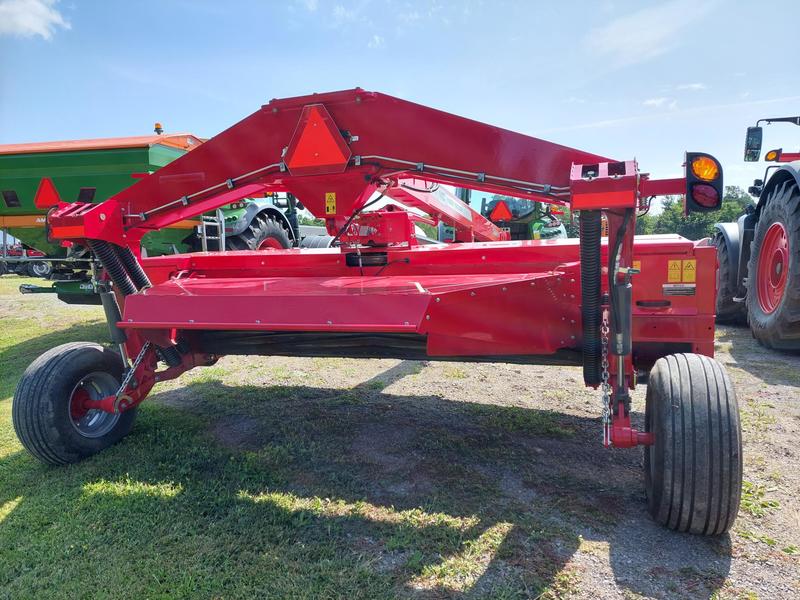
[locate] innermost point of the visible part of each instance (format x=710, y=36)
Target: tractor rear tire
x=728, y=311
x=773, y=273
x=39, y=268
x=693, y=471
x=262, y=233
x=46, y=410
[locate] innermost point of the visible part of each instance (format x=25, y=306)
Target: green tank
x=93, y=170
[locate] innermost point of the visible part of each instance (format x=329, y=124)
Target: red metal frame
x=481, y=300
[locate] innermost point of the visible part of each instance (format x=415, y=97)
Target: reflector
x=46, y=194
x=317, y=147
x=501, y=212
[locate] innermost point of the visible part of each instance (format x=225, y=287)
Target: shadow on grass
x=298, y=491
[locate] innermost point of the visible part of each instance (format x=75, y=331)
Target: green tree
x=699, y=225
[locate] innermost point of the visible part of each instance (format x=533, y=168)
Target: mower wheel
x=39, y=268
x=693, y=471
x=262, y=233
x=728, y=311
x=47, y=411
x=773, y=273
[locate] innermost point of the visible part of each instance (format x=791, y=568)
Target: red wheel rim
x=270, y=242
x=773, y=268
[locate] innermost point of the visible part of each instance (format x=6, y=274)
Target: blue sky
x=624, y=79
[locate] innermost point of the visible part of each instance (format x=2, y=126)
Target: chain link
x=129, y=375
x=604, y=331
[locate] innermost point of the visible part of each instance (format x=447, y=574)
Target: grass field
x=322, y=478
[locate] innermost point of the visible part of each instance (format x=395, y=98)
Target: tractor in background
x=522, y=218
x=759, y=255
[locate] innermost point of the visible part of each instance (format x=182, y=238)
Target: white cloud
x=661, y=102
x=694, y=87
x=29, y=18
x=645, y=34
x=311, y=5
x=376, y=42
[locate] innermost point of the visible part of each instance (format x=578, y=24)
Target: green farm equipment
x=96, y=169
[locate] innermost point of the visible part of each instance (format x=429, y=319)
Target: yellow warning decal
x=637, y=264
x=330, y=203
x=689, y=271
x=674, y=271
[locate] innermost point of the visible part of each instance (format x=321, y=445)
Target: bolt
x=102, y=216
x=258, y=321
x=505, y=289
x=438, y=299
x=191, y=320
x=572, y=295
x=472, y=293
x=427, y=317
x=330, y=322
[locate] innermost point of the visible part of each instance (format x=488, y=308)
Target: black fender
x=730, y=234
x=788, y=172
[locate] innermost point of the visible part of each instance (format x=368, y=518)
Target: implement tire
x=46, y=411
x=773, y=273
x=728, y=311
x=693, y=471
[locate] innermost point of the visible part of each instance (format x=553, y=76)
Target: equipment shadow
x=406, y=488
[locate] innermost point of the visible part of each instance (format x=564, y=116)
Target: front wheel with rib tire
x=262, y=233
x=693, y=470
x=49, y=412
x=773, y=273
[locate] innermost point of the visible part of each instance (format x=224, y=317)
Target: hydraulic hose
x=133, y=267
x=590, y=295
x=113, y=266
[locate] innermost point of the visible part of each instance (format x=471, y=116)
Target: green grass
x=232, y=489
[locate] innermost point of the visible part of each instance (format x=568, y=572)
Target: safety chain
x=604, y=331
x=129, y=375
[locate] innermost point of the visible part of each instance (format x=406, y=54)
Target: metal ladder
x=217, y=221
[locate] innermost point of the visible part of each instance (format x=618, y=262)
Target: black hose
x=590, y=295
x=135, y=270
x=113, y=266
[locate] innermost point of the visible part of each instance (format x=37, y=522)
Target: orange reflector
x=501, y=212
x=46, y=194
x=772, y=156
x=705, y=168
x=317, y=147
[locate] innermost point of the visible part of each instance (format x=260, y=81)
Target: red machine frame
x=381, y=293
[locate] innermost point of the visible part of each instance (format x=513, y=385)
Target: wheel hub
x=773, y=267
x=270, y=242
x=92, y=422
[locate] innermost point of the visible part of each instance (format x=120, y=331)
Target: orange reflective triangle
x=317, y=146
x=501, y=212
x=46, y=194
